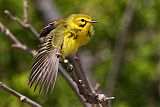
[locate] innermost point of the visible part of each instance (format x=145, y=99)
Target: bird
x=61, y=38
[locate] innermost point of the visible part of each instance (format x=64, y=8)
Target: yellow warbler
x=63, y=36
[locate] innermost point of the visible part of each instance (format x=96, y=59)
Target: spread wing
x=45, y=68
x=52, y=25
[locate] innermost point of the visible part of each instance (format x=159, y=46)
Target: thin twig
x=97, y=87
x=21, y=97
x=25, y=11
x=23, y=24
x=16, y=42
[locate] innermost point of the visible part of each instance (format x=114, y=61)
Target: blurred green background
x=137, y=82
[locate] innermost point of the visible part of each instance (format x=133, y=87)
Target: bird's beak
x=93, y=21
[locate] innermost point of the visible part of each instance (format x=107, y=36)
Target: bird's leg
x=69, y=65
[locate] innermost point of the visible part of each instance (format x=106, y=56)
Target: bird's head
x=80, y=21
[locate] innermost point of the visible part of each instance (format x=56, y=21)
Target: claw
x=65, y=61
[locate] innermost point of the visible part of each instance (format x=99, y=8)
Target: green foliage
x=139, y=74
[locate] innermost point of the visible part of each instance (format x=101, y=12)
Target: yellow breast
x=71, y=44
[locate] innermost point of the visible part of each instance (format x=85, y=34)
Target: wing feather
x=52, y=25
x=42, y=70
x=45, y=68
x=52, y=77
x=42, y=74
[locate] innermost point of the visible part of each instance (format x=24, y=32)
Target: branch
x=21, y=97
x=91, y=98
x=72, y=84
x=120, y=45
x=16, y=42
x=84, y=76
x=24, y=24
x=25, y=11
x=80, y=73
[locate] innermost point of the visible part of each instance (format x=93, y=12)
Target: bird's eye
x=82, y=20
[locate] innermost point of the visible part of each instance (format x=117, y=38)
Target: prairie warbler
x=63, y=36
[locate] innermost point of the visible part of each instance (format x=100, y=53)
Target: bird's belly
x=69, y=46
